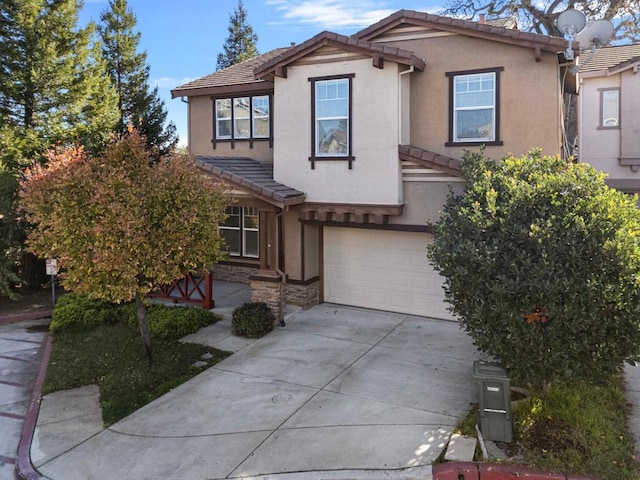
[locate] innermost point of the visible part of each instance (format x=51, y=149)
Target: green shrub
x=80, y=312
x=171, y=322
x=542, y=266
x=252, y=320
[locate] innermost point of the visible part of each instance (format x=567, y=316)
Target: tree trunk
x=144, y=330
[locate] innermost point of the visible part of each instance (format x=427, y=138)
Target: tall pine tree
x=240, y=44
x=53, y=89
x=52, y=80
x=129, y=72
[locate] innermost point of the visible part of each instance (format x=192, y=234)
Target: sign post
x=52, y=269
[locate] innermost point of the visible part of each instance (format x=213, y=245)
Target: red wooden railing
x=191, y=288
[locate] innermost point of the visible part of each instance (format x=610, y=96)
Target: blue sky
x=183, y=38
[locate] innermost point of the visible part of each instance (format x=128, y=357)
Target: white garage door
x=381, y=269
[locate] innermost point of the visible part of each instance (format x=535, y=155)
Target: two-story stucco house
x=341, y=150
x=609, y=114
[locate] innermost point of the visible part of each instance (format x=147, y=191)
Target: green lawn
x=574, y=428
x=112, y=357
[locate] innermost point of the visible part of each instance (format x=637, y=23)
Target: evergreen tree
x=129, y=72
x=240, y=44
x=53, y=80
x=53, y=90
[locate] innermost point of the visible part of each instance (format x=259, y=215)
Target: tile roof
x=430, y=159
x=505, y=22
x=385, y=52
x=253, y=176
x=238, y=74
x=608, y=57
x=465, y=27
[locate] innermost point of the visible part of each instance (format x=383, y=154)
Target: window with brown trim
x=609, y=108
x=331, y=119
x=474, y=107
x=246, y=118
x=240, y=232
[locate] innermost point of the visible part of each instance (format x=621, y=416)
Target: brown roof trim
x=463, y=27
x=277, y=65
x=626, y=185
x=251, y=176
x=348, y=213
x=237, y=78
x=263, y=87
x=624, y=65
x=429, y=159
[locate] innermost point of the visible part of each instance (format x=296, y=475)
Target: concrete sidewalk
x=338, y=393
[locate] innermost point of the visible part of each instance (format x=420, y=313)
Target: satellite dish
x=596, y=34
x=571, y=22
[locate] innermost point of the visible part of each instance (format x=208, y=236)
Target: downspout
x=404, y=72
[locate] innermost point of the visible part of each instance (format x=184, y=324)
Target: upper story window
x=241, y=231
x=242, y=118
x=474, y=110
x=331, y=118
x=609, y=108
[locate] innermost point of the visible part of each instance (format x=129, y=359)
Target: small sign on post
x=52, y=269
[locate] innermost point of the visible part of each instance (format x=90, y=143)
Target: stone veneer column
x=266, y=286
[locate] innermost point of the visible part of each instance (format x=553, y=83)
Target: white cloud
x=169, y=82
x=337, y=14
x=331, y=14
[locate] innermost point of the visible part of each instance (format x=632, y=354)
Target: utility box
x=494, y=406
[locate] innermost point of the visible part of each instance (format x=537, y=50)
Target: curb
x=24, y=468
x=19, y=317
x=492, y=471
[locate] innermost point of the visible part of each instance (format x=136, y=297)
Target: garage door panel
x=380, y=269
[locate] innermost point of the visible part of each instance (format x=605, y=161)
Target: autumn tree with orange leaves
x=121, y=223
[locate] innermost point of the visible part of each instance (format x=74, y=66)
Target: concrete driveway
x=338, y=393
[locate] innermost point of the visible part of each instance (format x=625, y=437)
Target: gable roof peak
x=494, y=30
x=277, y=66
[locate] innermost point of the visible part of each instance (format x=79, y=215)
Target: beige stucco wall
x=530, y=102
x=375, y=176
x=424, y=202
x=601, y=148
x=292, y=242
x=630, y=115
x=201, y=132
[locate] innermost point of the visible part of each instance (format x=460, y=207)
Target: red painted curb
x=19, y=317
x=24, y=468
x=495, y=471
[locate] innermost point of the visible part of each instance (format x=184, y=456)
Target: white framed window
x=474, y=107
x=242, y=118
x=260, y=110
x=240, y=232
x=223, y=118
x=332, y=118
x=609, y=108
x=474, y=116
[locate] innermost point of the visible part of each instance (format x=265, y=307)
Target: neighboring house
x=340, y=151
x=609, y=114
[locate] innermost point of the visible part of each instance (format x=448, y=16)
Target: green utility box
x=494, y=406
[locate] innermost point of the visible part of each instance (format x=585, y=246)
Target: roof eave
x=259, y=86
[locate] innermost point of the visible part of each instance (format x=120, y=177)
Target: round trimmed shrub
x=542, y=266
x=81, y=312
x=252, y=320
